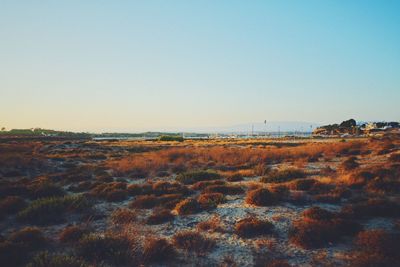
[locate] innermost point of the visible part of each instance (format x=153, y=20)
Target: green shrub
x=52, y=210
x=196, y=176
x=46, y=189
x=97, y=248
x=193, y=242
x=284, y=175
x=224, y=189
x=171, y=138
x=45, y=259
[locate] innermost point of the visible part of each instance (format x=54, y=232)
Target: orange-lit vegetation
x=200, y=202
x=251, y=227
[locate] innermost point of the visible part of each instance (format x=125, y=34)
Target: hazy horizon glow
x=137, y=65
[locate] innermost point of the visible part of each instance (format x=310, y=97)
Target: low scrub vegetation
x=214, y=224
x=224, y=189
x=11, y=205
x=252, y=227
x=375, y=248
x=112, y=249
x=372, y=208
x=52, y=210
x=318, y=228
x=158, y=250
x=283, y=175
x=123, y=216
x=72, y=234
x=160, y=216
x=260, y=197
x=197, y=176
x=46, y=259
x=152, y=203
x=188, y=206
x=195, y=242
x=210, y=200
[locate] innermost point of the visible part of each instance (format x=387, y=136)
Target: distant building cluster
x=350, y=127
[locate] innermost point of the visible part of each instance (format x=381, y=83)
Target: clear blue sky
x=136, y=65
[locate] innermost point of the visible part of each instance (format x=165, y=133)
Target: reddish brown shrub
x=82, y=186
x=72, y=234
x=193, y=242
x=188, y=206
x=30, y=237
x=224, y=189
x=277, y=263
x=151, y=201
x=196, y=176
x=213, y=224
x=251, y=227
x=317, y=213
x=303, y=184
x=372, y=208
x=210, y=200
x=158, y=250
x=12, y=204
x=395, y=157
x=160, y=216
x=376, y=248
x=112, y=192
x=283, y=175
x=123, y=216
x=203, y=184
x=162, y=187
x=234, y=178
x=260, y=197
x=382, y=185
x=350, y=164
x=319, y=227
x=137, y=189
x=145, y=202
x=377, y=240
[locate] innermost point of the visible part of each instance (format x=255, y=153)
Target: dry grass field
x=276, y=202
